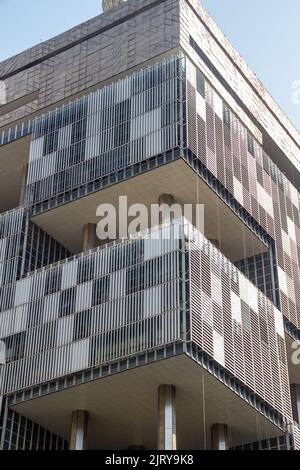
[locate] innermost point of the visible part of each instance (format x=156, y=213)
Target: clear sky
x=265, y=32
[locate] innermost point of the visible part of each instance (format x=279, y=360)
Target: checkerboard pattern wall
x=230, y=152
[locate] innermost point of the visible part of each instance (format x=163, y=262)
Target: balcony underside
x=236, y=241
x=128, y=401
x=13, y=157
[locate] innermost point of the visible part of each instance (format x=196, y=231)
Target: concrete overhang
x=123, y=408
x=236, y=241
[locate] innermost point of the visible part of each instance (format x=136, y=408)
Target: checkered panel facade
x=112, y=303
x=24, y=247
x=236, y=325
x=230, y=153
x=105, y=132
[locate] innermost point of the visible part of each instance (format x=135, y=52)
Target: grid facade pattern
x=237, y=325
x=88, y=54
x=114, y=128
x=130, y=297
x=275, y=443
x=261, y=270
x=23, y=248
x=20, y=433
x=296, y=436
x=112, y=303
x=230, y=152
x=12, y=236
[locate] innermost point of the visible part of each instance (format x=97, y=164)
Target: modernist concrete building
x=178, y=342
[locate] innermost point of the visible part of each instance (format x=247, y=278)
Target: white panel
x=282, y=280
x=6, y=323
x=22, y=291
x=2, y=352
x=291, y=229
x=145, y=124
x=286, y=242
x=65, y=330
x=69, y=275
x=3, y=243
x=64, y=137
x=294, y=196
x=252, y=296
x=265, y=200
x=278, y=323
x=218, y=105
x=201, y=106
x=36, y=148
x=238, y=190
x=84, y=296
x=191, y=73
x=236, y=308
x=51, y=307
x=92, y=148
x=80, y=355
x=244, y=285
x=21, y=315
x=219, y=348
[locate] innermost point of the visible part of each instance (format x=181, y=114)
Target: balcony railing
x=168, y=285
x=17, y=132
x=112, y=303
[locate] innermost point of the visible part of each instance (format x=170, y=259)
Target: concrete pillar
x=165, y=200
x=166, y=418
x=23, y=184
x=295, y=395
x=220, y=437
x=79, y=426
x=89, y=237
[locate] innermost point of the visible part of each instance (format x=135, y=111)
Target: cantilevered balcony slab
x=170, y=289
x=128, y=400
x=236, y=241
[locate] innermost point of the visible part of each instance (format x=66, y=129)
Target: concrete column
x=295, y=395
x=220, y=437
x=166, y=418
x=79, y=426
x=23, y=184
x=165, y=200
x=89, y=237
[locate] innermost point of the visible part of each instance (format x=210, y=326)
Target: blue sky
x=265, y=32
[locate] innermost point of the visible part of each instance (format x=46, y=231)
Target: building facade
x=185, y=338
